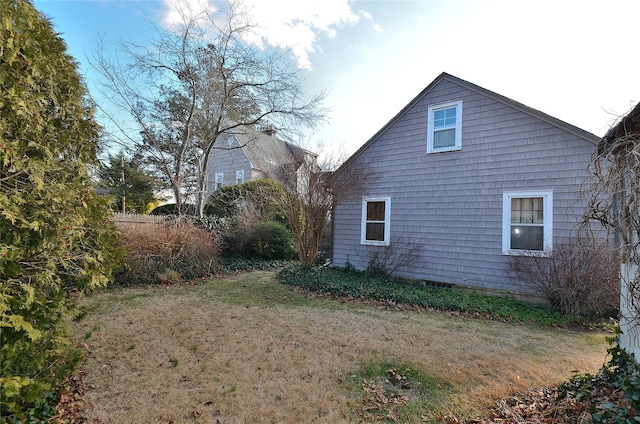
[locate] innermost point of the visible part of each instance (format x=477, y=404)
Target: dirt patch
x=201, y=354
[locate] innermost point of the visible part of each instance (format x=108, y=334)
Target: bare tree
x=310, y=194
x=197, y=84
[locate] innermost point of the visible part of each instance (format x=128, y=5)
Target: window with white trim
x=376, y=214
x=219, y=181
x=240, y=177
x=527, y=223
x=444, y=127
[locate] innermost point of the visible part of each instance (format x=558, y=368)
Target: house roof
x=589, y=137
x=628, y=124
x=266, y=152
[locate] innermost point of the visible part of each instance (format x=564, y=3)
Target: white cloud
x=175, y=11
x=299, y=24
x=295, y=24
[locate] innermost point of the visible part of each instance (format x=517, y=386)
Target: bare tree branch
x=199, y=83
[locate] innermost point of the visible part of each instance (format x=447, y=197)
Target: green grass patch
x=390, y=391
x=261, y=288
x=240, y=263
x=341, y=282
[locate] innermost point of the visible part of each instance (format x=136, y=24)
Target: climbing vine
x=613, y=199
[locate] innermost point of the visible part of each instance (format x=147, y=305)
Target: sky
x=574, y=60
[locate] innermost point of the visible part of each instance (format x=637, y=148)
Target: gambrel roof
x=266, y=152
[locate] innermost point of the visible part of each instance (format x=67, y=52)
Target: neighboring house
x=469, y=176
x=622, y=142
x=248, y=155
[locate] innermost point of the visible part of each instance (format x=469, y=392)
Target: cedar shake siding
x=253, y=155
x=451, y=201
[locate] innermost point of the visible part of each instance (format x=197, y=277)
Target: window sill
x=533, y=253
x=444, y=150
x=374, y=243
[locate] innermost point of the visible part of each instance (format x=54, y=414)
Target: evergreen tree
x=54, y=230
x=126, y=179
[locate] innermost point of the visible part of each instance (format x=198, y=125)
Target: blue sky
x=575, y=60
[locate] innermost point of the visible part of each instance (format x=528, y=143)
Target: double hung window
x=219, y=181
x=444, y=127
x=376, y=214
x=527, y=223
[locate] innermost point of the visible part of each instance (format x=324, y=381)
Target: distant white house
x=248, y=154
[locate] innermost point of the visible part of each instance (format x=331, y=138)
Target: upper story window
x=219, y=182
x=444, y=127
x=527, y=223
x=376, y=215
x=240, y=177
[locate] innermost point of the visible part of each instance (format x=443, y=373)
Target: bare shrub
x=234, y=232
x=387, y=260
x=176, y=249
x=580, y=278
x=310, y=194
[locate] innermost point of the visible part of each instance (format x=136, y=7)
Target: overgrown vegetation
x=395, y=391
x=610, y=396
x=55, y=236
x=310, y=194
x=347, y=282
x=580, y=278
x=261, y=197
x=169, y=252
x=260, y=239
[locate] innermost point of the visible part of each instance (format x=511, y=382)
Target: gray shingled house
x=248, y=155
x=469, y=176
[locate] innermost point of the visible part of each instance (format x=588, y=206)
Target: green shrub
x=234, y=264
x=55, y=235
x=269, y=240
x=261, y=196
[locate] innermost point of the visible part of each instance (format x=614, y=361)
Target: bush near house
x=580, y=278
x=259, y=196
x=262, y=239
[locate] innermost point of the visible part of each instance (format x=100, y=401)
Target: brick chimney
x=270, y=131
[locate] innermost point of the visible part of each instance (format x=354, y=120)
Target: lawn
x=247, y=349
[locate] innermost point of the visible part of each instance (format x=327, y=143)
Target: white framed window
x=527, y=223
x=376, y=217
x=240, y=176
x=444, y=127
x=219, y=181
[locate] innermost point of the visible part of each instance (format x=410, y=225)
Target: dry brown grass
x=251, y=351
